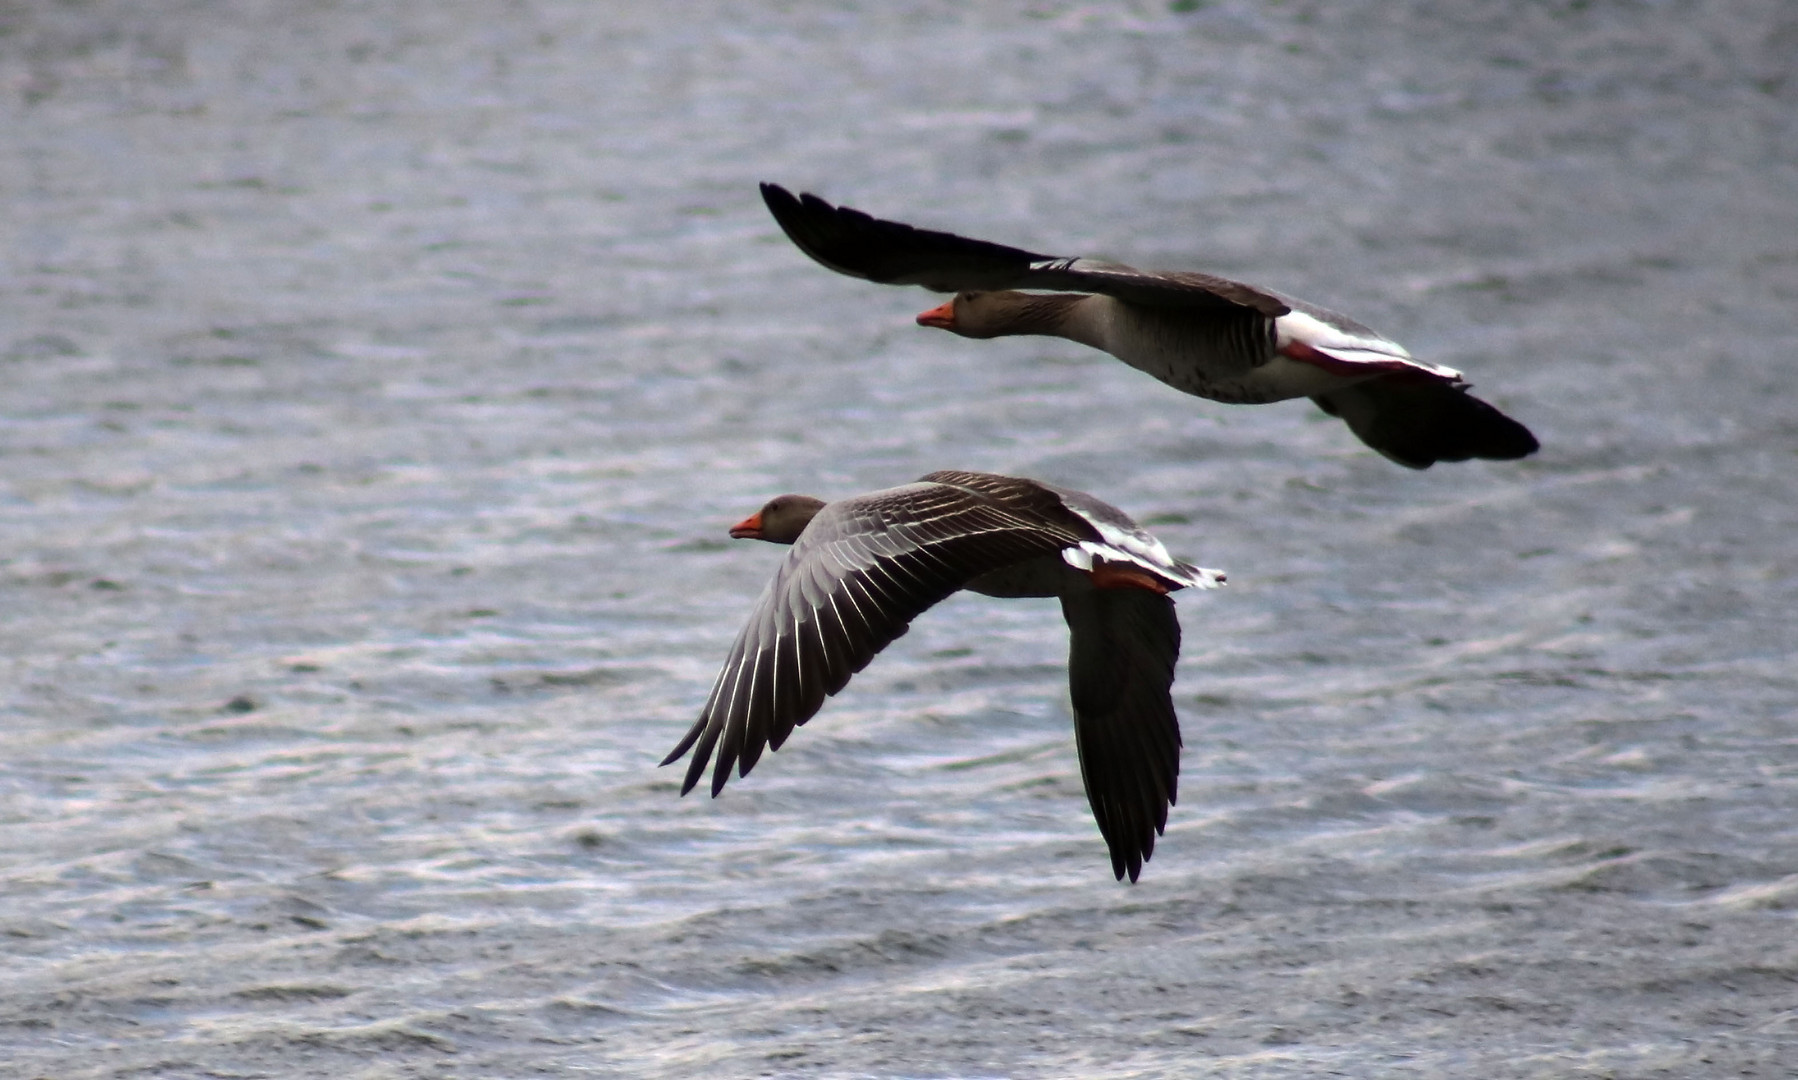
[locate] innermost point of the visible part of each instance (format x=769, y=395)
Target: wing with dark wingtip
x=861, y=571
x=1123, y=646
x=893, y=253
x=1418, y=423
x=890, y=252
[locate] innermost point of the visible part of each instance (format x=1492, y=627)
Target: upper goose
x=862, y=568
x=1208, y=336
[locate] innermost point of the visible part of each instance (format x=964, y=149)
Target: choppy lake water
x=379, y=381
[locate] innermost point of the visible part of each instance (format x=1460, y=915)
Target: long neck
x=1075, y=316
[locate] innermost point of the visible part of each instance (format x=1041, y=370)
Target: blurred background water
x=379, y=381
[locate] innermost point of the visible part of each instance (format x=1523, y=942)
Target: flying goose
x=862, y=568
x=1206, y=335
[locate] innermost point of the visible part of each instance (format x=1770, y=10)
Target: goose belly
x=1234, y=373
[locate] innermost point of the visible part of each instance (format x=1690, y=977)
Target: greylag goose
x=1205, y=335
x=862, y=568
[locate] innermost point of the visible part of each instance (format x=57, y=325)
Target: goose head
x=780, y=520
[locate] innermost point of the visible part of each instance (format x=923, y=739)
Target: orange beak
x=942, y=317
x=750, y=528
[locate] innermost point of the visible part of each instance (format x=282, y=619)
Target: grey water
x=378, y=381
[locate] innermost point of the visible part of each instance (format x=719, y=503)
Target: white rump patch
x=1350, y=347
x=1119, y=545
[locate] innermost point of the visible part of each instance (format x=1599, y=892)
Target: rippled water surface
x=379, y=381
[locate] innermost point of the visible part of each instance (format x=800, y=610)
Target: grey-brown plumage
x=862, y=568
x=1205, y=335
x=893, y=253
x=1122, y=646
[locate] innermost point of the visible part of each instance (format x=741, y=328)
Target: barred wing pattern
x=894, y=253
x=1042, y=503
x=861, y=571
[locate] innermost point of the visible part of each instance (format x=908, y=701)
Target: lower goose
x=862, y=568
x=1205, y=335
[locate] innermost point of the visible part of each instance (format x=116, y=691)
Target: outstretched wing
x=1418, y=423
x=893, y=253
x=1123, y=644
x=861, y=571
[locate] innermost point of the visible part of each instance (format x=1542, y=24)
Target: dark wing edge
x=843, y=595
x=891, y=252
x=1123, y=645
x=1417, y=422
